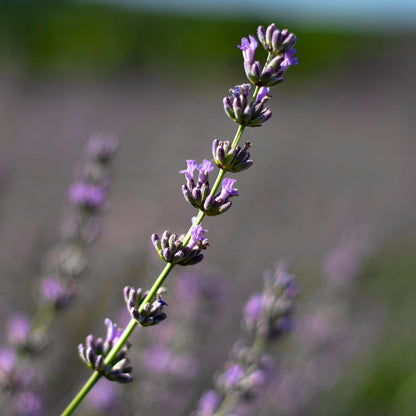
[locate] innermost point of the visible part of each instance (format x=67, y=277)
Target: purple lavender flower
x=289, y=59
x=19, y=330
x=226, y=191
x=191, y=165
x=248, y=46
x=196, y=194
x=197, y=236
x=87, y=196
x=204, y=168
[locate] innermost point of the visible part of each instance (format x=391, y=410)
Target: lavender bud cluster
x=244, y=111
x=229, y=159
x=152, y=312
x=279, y=46
x=198, y=193
x=172, y=250
x=95, y=350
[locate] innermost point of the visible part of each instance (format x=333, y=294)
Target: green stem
x=153, y=291
x=81, y=394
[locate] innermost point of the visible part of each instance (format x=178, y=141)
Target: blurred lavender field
x=339, y=153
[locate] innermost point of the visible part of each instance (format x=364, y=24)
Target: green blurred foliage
x=72, y=37
x=382, y=381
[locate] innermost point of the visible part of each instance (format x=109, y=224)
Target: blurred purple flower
x=87, y=196
x=253, y=309
x=19, y=329
x=8, y=360
x=53, y=291
x=232, y=376
x=209, y=403
x=28, y=403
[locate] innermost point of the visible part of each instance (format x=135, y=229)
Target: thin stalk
x=152, y=292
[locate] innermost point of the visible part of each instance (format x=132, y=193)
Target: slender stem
x=81, y=394
x=152, y=292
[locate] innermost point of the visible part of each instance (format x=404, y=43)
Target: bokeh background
x=338, y=153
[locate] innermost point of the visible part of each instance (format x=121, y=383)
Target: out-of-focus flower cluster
x=266, y=318
x=62, y=266
x=328, y=331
